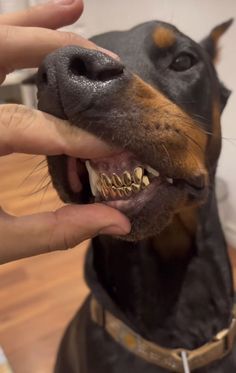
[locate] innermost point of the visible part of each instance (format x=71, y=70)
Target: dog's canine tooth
x=116, y=180
x=93, y=178
x=145, y=182
x=135, y=187
x=169, y=180
x=128, y=191
x=126, y=177
x=137, y=175
x=152, y=171
x=99, y=185
x=106, y=181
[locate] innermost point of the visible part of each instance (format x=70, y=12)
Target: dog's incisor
x=169, y=280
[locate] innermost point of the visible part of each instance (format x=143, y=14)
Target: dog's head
x=160, y=107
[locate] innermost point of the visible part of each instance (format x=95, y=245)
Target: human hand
x=25, y=39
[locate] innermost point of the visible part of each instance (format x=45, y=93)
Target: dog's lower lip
x=134, y=204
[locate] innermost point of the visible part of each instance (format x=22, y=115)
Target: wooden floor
x=38, y=296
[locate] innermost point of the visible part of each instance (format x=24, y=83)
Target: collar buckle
x=184, y=356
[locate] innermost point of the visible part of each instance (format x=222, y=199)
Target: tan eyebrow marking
x=163, y=37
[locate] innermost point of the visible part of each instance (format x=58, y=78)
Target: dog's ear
x=210, y=43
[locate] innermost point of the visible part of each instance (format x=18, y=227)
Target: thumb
x=65, y=228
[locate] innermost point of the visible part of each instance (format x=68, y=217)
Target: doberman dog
x=161, y=297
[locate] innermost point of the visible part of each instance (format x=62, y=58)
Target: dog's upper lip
x=197, y=181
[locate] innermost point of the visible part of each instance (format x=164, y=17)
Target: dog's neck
x=174, y=296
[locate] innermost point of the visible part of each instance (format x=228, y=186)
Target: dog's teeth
x=152, y=171
x=118, y=187
x=137, y=175
x=104, y=192
x=127, y=178
x=93, y=178
x=128, y=191
x=169, y=180
x=116, y=180
x=135, y=187
x=120, y=192
x=113, y=192
x=106, y=181
x=145, y=182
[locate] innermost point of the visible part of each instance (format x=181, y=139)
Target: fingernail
x=111, y=54
x=114, y=230
x=63, y=2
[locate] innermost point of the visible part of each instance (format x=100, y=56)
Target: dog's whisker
x=45, y=190
x=41, y=185
x=193, y=156
x=39, y=189
x=168, y=155
x=231, y=141
x=35, y=169
x=184, y=134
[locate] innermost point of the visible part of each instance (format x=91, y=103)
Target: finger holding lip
x=30, y=131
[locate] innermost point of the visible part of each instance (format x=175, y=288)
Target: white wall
x=195, y=18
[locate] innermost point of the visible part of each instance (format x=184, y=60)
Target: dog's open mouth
x=121, y=181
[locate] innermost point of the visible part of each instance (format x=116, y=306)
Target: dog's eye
x=182, y=62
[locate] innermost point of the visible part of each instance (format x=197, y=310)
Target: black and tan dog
x=163, y=294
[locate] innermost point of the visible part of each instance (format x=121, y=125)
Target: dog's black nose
x=73, y=79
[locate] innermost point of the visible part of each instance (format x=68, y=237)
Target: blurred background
x=38, y=296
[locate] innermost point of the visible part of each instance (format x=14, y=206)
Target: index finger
x=30, y=131
x=26, y=47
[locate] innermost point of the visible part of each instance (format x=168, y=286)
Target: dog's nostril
x=94, y=70
x=77, y=67
x=44, y=77
x=109, y=74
